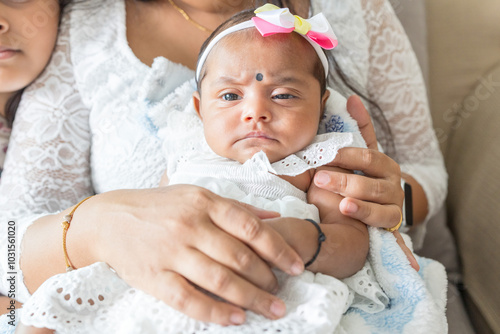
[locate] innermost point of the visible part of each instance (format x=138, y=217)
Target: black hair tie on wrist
x=321, y=238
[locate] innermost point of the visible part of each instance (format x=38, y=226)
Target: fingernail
x=297, y=268
x=278, y=308
x=321, y=179
x=237, y=319
x=351, y=207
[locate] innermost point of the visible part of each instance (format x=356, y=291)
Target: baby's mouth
x=6, y=52
x=258, y=135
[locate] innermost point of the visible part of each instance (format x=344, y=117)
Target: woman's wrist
x=419, y=200
x=42, y=241
x=88, y=239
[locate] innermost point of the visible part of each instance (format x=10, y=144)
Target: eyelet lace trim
x=94, y=299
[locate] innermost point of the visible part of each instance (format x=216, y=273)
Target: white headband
x=271, y=20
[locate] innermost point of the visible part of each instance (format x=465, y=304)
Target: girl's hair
x=13, y=102
x=318, y=70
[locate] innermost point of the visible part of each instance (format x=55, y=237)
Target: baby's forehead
x=250, y=39
x=246, y=51
x=248, y=43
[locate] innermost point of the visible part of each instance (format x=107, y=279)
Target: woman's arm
x=162, y=240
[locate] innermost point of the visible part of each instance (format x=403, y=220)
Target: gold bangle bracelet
x=65, y=226
x=392, y=229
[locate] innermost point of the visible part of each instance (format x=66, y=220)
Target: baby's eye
x=283, y=96
x=230, y=97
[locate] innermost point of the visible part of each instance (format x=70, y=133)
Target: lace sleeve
x=47, y=164
x=396, y=84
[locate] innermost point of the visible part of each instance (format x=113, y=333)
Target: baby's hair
x=11, y=107
x=13, y=102
x=318, y=70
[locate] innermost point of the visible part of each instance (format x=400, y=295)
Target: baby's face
x=260, y=94
x=28, y=32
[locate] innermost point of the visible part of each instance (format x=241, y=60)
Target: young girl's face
x=260, y=94
x=28, y=31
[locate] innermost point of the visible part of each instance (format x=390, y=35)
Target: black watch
x=407, y=204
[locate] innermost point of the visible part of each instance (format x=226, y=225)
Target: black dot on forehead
x=259, y=76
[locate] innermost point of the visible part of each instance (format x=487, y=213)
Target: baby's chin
x=249, y=153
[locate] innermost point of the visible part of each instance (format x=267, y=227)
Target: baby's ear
x=196, y=103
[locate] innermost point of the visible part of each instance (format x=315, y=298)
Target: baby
x=250, y=133
x=258, y=111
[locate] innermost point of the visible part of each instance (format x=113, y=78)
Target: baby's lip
x=7, y=48
x=7, y=52
x=258, y=135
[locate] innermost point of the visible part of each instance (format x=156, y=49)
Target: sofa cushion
x=463, y=44
x=473, y=162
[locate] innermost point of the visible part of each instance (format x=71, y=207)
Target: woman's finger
x=370, y=162
x=181, y=295
x=262, y=214
x=245, y=226
x=358, y=111
x=224, y=283
x=236, y=256
x=372, y=214
x=409, y=254
x=361, y=187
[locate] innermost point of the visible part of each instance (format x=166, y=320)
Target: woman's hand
x=166, y=240
x=375, y=198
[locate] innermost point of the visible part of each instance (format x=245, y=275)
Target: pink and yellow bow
x=271, y=19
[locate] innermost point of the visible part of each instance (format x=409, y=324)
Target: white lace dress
x=84, y=119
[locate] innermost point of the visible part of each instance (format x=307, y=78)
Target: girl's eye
x=283, y=96
x=230, y=97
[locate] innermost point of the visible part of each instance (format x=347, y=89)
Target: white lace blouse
x=82, y=127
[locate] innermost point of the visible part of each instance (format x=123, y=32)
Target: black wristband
x=321, y=238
